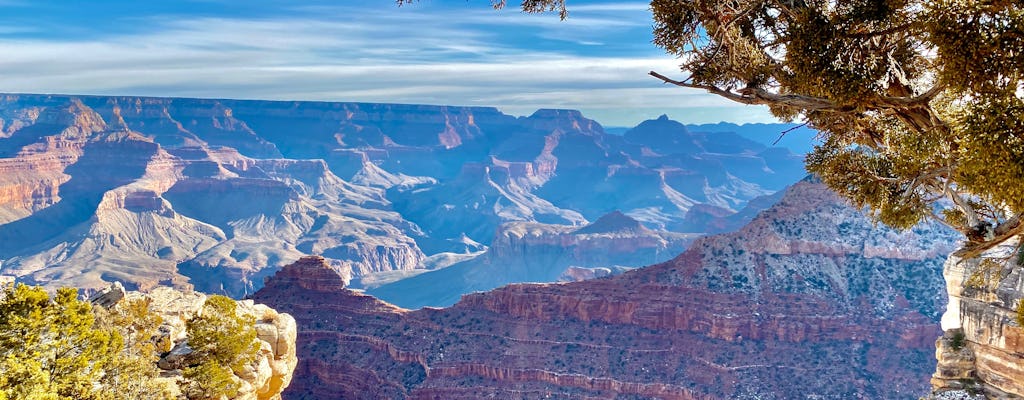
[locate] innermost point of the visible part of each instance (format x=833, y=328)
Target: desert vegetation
x=58, y=346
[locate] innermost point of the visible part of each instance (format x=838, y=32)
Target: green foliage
x=210, y=380
x=223, y=342
x=132, y=373
x=978, y=42
x=61, y=347
x=1020, y=313
x=986, y=276
x=991, y=150
x=50, y=348
x=868, y=179
x=957, y=342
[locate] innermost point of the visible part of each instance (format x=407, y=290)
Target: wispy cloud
x=376, y=54
x=624, y=6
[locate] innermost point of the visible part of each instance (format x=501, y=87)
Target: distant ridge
x=612, y=222
x=795, y=137
x=214, y=195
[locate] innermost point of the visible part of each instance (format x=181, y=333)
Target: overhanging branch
x=755, y=96
x=1005, y=231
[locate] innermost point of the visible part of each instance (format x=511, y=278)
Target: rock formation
x=534, y=252
x=217, y=194
x=984, y=323
x=809, y=300
x=264, y=379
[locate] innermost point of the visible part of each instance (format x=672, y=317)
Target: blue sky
x=455, y=52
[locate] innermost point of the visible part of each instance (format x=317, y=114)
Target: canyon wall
x=982, y=349
x=535, y=252
x=809, y=300
x=215, y=195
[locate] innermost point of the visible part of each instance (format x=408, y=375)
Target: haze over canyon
x=218, y=194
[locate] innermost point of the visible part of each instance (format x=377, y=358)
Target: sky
x=451, y=52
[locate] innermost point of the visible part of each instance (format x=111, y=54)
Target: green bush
x=60, y=347
x=223, y=343
x=1020, y=313
x=957, y=342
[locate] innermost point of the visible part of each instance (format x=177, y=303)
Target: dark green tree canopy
x=57, y=347
x=224, y=343
x=920, y=104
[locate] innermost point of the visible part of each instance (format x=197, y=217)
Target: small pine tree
x=132, y=374
x=61, y=347
x=223, y=343
x=49, y=347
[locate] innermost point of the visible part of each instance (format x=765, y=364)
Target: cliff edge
x=982, y=349
x=263, y=379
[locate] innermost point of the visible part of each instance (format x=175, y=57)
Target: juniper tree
x=224, y=344
x=920, y=104
x=50, y=347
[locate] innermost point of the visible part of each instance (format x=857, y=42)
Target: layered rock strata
x=534, y=252
x=791, y=306
x=215, y=195
x=984, y=323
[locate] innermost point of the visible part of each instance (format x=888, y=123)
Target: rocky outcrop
x=984, y=296
x=109, y=296
x=788, y=307
x=264, y=379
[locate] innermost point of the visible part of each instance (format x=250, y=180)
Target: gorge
x=809, y=299
x=218, y=194
x=434, y=205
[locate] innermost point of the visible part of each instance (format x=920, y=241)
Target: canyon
x=436, y=206
x=811, y=299
x=535, y=252
x=215, y=195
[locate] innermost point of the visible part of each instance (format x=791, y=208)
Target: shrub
x=1020, y=313
x=60, y=348
x=957, y=342
x=223, y=343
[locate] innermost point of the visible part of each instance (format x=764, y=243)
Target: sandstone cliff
x=982, y=349
x=264, y=379
x=810, y=300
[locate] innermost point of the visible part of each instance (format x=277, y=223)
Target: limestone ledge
x=982, y=305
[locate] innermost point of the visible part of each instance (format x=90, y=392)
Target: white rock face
x=983, y=299
x=277, y=332
x=955, y=272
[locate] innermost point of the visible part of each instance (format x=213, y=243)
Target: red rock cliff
x=781, y=309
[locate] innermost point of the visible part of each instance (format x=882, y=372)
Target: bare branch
x=756, y=96
x=920, y=99
x=781, y=135
x=1006, y=230
x=884, y=32
x=969, y=213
